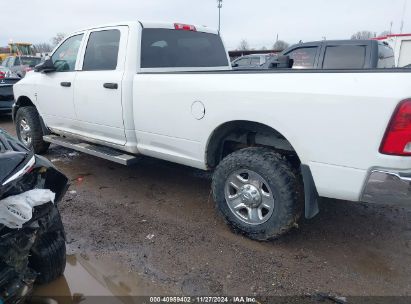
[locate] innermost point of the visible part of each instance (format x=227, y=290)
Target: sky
x=258, y=21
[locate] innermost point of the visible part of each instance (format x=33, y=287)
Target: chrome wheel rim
x=25, y=132
x=249, y=197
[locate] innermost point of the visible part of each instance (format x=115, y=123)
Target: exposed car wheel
x=48, y=257
x=258, y=192
x=29, y=130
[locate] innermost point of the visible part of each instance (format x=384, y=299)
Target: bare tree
x=57, y=39
x=280, y=45
x=363, y=35
x=244, y=46
x=384, y=33
x=43, y=47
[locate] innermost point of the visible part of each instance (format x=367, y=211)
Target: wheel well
x=22, y=101
x=236, y=135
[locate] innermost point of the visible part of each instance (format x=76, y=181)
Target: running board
x=95, y=150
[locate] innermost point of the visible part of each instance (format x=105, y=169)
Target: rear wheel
x=29, y=130
x=258, y=193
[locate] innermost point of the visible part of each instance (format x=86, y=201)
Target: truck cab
x=342, y=54
x=92, y=71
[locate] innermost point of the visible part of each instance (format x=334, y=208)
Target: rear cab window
x=181, y=50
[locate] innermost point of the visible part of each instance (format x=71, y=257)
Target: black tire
x=282, y=179
x=48, y=257
x=31, y=116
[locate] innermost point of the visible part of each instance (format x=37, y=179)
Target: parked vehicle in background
x=7, y=73
x=277, y=140
x=4, y=72
x=401, y=43
x=251, y=61
x=20, y=65
x=32, y=239
x=341, y=54
x=7, y=80
x=270, y=61
x=17, y=48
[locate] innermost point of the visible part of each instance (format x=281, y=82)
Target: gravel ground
x=159, y=220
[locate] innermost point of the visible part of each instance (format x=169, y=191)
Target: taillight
x=185, y=27
x=2, y=75
x=397, y=139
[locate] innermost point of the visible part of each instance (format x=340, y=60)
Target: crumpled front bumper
x=388, y=187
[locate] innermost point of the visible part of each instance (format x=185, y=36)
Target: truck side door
x=98, y=89
x=55, y=90
x=305, y=56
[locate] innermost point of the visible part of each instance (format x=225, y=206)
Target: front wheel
x=258, y=193
x=29, y=130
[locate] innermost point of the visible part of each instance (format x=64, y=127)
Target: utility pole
x=219, y=5
x=403, y=14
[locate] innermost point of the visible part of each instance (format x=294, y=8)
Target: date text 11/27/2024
x=204, y=299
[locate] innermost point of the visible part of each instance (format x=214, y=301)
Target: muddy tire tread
x=39, y=146
x=275, y=168
x=48, y=258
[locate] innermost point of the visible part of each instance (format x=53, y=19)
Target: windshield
x=30, y=61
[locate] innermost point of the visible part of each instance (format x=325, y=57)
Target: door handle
x=65, y=84
x=110, y=85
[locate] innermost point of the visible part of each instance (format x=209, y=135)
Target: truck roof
x=342, y=41
x=152, y=24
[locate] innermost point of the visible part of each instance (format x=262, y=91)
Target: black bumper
x=6, y=106
x=6, y=94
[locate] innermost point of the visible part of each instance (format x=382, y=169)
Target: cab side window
x=243, y=62
x=255, y=61
x=102, y=51
x=304, y=57
x=345, y=57
x=65, y=57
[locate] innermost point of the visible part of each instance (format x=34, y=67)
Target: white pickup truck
x=276, y=140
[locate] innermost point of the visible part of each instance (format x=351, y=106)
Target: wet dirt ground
x=157, y=220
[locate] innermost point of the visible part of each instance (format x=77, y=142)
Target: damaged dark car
x=32, y=238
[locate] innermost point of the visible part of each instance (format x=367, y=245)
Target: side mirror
x=47, y=66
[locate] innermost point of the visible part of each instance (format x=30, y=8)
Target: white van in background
x=401, y=43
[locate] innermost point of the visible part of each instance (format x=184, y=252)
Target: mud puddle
x=87, y=277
